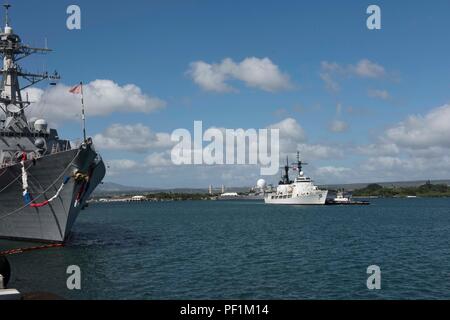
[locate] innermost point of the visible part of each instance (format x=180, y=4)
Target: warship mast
x=12, y=51
x=299, y=165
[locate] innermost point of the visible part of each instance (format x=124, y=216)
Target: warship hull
x=54, y=221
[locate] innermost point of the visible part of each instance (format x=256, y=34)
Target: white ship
x=301, y=191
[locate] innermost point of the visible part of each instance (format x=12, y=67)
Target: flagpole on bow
x=78, y=89
x=83, y=114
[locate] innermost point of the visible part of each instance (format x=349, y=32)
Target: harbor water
x=247, y=250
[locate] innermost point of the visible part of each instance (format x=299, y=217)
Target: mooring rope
x=23, y=250
x=27, y=195
x=4, y=171
x=45, y=191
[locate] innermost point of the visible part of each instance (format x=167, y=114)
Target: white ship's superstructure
x=44, y=181
x=301, y=191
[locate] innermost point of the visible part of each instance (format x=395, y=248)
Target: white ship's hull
x=53, y=222
x=317, y=198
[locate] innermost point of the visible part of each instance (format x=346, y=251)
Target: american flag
x=78, y=89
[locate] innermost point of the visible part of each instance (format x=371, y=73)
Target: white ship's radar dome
x=40, y=125
x=262, y=184
x=302, y=173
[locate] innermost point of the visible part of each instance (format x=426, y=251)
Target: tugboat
x=301, y=191
x=44, y=181
x=342, y=200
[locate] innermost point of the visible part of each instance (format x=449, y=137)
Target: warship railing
x=23, y=135
x=11, y=159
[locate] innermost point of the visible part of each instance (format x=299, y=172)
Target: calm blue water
x=246, y=250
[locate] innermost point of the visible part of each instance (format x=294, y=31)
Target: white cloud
x=209, y=77
x=379, y=94
x=102, y=97
x=339, y=109
x=257, y=73
x=136, y=138
x=290, y=129
x=331, y=84
x=379, y=149
x=432, y=153
x=415, y=149
x=320, y=151
x=121, y=165
x=293, y=138
x=406, y=168
x=328, y=70
x=291, y=135
x=364, y=68
x=420, y=132
x=331, y=67
x=330, y=172
x=158, y=159
x=367, y=69
x=338, y=126
x=385, y=163
x=153, y=163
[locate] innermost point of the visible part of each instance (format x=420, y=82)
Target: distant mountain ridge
x=115, y=187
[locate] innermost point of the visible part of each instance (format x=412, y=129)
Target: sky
x=360, y=105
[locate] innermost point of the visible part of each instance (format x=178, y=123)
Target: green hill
x=425, y=190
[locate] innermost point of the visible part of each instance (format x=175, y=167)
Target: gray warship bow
x=44, y=181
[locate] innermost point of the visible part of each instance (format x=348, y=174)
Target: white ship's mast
x=11, y=51
x=299, y=165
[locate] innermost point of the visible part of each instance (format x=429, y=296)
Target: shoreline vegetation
x=156, y=197
x=428, y=190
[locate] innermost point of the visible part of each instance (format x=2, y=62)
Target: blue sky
x=384, y=77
